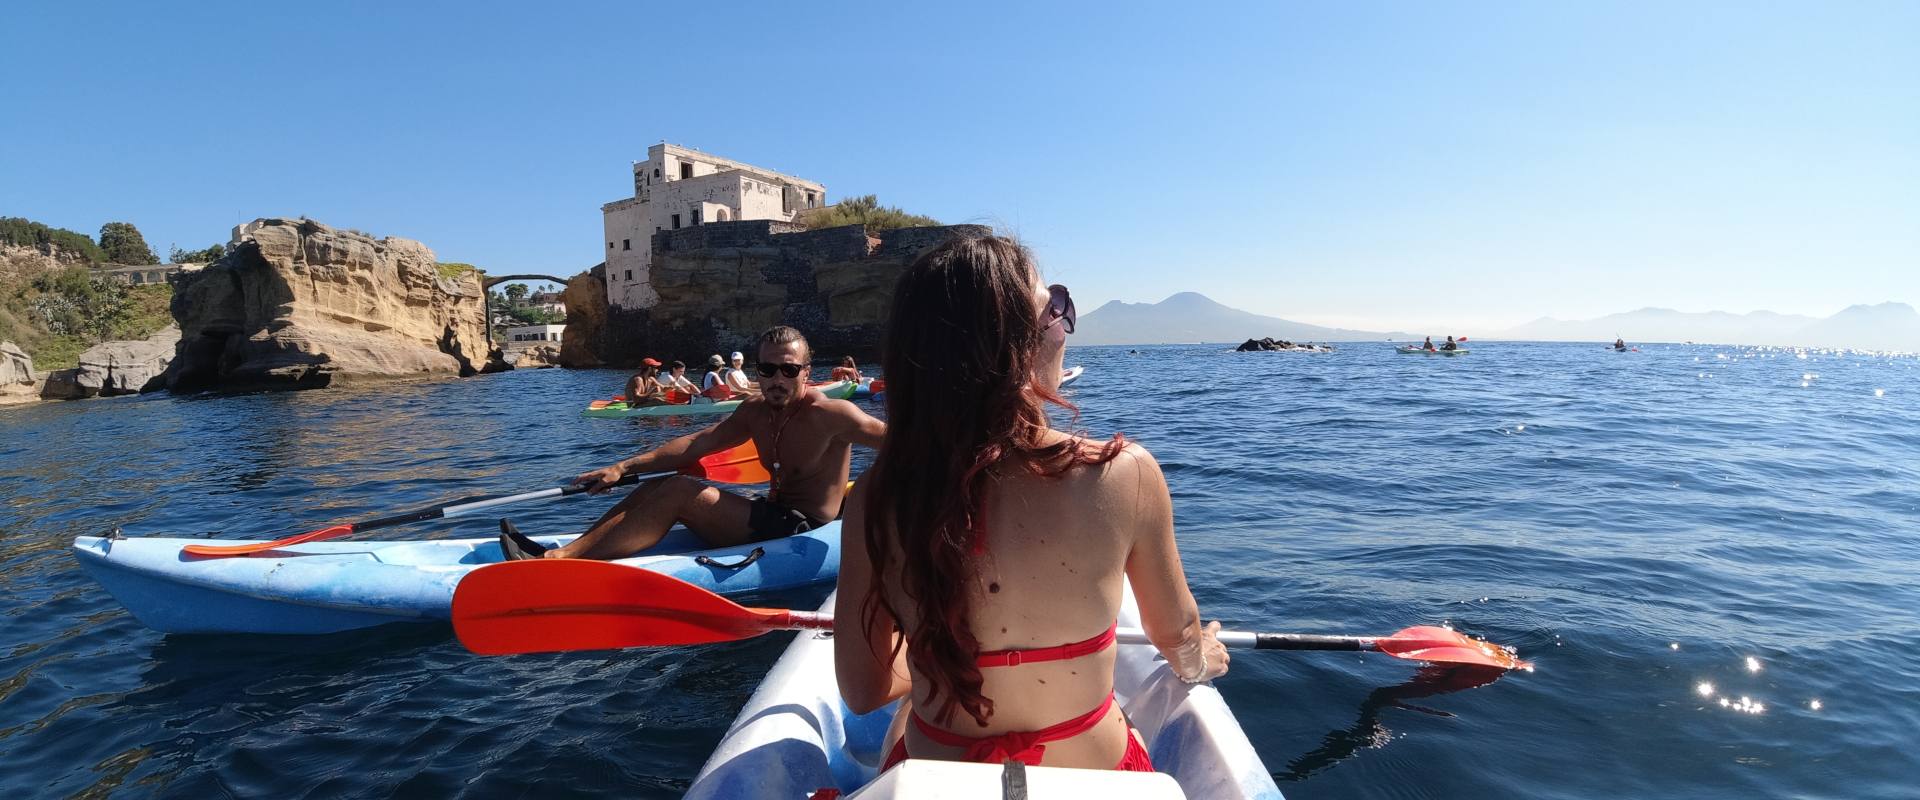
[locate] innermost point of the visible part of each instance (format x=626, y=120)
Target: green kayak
x=837, y=390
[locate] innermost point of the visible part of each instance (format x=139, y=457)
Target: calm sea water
x=1709, y=552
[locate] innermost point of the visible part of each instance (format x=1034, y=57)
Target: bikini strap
x=1026, y=747
x=1014, y=658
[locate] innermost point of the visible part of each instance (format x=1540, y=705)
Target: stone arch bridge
x=493, y=281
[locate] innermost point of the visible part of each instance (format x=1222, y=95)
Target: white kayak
x=795, y=736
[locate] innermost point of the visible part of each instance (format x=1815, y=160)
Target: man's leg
x=639, y=521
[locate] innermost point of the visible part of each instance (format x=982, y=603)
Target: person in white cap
x=737, y=376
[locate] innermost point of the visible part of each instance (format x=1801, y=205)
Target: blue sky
x=1406, y=165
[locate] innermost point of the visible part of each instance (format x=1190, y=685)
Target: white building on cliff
x=678, y=187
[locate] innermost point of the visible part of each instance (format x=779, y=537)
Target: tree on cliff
x=66, y=245
x=864, y=210
x=516, y=294
x=178, y=256
x=123, y=244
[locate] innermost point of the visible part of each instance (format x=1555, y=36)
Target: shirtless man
x=643, y=389
x=847, y=371
x=805, y=441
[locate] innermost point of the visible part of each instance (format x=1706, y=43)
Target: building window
x=629, y=274
x=609, y=245
x=810, y=200
x=676, y=222
x=720, y=216
x=696, y=216
x=686, y=170
x=656, y=172
x=625, y=244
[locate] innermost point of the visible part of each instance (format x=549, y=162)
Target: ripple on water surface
x=1712, y=565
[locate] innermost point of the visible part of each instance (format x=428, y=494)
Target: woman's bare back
x=1055, y=557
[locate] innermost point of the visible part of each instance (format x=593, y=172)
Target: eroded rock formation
x=721, y=284
x=115, y=368
x=586, y=301
x=17, y=383
x=298, y=304
x=538, y=356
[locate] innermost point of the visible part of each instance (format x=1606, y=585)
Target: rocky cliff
x=586, y=301
x=298, y=304
x=17, y=383
x=115, y=368
x=721, y=284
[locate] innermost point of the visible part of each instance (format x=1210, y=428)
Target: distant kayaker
x=847, y=371
x=1428, y=345
x=982, y=555
x=675, y=380
x=737, y=376
x=643, y=389
x=1619, y=344
x=1450, y=345
x=714, y=385
x=805, y=440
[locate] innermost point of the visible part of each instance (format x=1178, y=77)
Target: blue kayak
x=326, y=587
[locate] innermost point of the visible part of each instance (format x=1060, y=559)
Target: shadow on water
x=1370, y=732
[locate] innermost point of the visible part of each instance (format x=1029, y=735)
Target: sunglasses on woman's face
x=767, y=370
x=1060, y=309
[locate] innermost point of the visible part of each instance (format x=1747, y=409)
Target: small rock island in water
x=1271, y=344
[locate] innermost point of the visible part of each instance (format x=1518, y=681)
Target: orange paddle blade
x=554, y=605
x=321, y=535
x=739, y=464
x=1442, y=645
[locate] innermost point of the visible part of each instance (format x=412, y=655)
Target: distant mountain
x=1190, y=317
x=1887, y=326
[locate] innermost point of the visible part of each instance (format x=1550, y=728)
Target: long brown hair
x=962, y=343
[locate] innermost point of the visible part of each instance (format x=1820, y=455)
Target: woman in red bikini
x=982, y=539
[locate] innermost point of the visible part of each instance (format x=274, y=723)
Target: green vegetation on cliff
x=54, y=306
x=455, y=269
x=864, y=210
x=56, y=315
x=70, y=245
x=123, y=244
x=207, y=256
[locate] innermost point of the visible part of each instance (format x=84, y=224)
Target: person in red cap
x=643, y=389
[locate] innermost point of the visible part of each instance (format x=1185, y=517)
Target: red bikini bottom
x=1026, y=747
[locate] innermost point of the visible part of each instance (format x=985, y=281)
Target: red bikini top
x=1014, y=658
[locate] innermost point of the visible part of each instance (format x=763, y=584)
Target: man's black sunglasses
x=790, y=370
